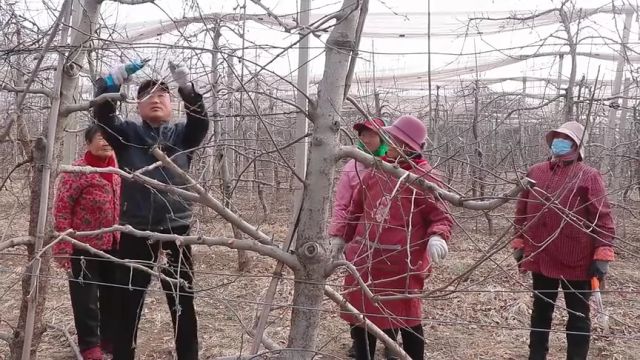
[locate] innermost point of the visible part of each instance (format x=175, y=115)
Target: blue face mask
x=561, y=147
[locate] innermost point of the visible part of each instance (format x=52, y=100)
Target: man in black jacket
x=154, y=210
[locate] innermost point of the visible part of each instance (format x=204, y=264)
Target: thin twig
x=72, y=344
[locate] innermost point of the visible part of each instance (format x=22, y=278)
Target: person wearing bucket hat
x=369, y=140
x=409, y=132
x=564, y=236
x=393, y=233
x=565, y=140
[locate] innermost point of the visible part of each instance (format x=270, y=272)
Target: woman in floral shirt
x=90, y=202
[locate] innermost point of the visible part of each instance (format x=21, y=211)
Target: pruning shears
x=602, y=319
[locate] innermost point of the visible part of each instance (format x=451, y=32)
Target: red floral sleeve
x=67, y=193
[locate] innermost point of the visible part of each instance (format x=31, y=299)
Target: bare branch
x=355, y=104
x=210, y=201
x=420, y=183
x=238, y=244
x=11, y=88
x=187, y=195
x=94, y=251
x=16, y=167
x=68, y=109
x=72, y=343
x=275, y=17
x=17, y=241
x=346, y=307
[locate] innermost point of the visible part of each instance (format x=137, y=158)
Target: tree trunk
x=68, y=85
x=311, y=242
x=39, y=157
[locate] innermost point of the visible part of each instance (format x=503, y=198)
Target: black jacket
x=143, y=207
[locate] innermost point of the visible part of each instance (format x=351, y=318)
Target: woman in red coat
x=564, y=236
x=393, y=233
x=90, y=202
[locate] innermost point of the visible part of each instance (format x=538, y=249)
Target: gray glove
x=437, y=249
x=118, y=74
x=180, y=74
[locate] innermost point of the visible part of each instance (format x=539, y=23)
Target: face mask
x=561, y=147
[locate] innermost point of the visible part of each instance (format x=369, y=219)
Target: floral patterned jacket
x=86, y=202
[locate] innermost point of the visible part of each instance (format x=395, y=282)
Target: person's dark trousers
x=576, y=295
x=352, y=349
x=412, y=342
x=92, y=290
x=179, y=299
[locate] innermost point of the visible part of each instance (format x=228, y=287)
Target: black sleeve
x=197, y=126
x=105, y=114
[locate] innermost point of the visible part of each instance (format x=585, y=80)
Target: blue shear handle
x=131, y=68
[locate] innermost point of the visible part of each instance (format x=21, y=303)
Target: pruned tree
x=239, y=156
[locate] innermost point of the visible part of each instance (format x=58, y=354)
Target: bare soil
x=485, y=318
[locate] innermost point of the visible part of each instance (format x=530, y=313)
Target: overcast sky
x=396, y=56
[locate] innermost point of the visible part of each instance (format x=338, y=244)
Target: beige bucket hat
x=575, y=131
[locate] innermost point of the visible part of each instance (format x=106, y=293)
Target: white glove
x=119, y=74
x=179, y=73
x=437, y=249
x=336, y=248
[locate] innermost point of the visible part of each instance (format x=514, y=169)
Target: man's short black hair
x=148, y=86
x=91, y=132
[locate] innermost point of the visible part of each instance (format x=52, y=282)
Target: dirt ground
x=486, y=318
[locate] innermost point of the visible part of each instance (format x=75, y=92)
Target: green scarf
x=380, y=151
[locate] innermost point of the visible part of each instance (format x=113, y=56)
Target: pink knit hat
x=574, y=130
x=410, y=130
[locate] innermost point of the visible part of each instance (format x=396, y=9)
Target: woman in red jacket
x=393, y=233
x=370, y=141
x=90, y=202
x=564, y=236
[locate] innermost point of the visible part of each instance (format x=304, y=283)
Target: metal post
x=301, y=148
x=610, y=134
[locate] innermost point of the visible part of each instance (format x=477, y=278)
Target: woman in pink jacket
x=393, y=233
x=564, y=236
x=369, y=140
